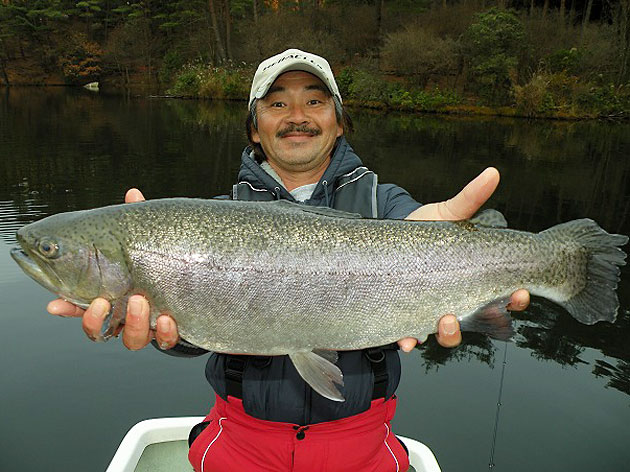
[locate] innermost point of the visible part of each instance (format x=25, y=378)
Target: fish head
x=71, y=256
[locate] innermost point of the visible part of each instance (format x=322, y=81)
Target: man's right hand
x=137, y=331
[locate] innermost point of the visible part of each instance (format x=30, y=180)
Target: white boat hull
x=161, y=444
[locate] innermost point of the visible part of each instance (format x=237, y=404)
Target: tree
x=88, y=9
x=587, y=17
x=217, y=34
x=494, y=42
x=228, y=28
x=621, y=20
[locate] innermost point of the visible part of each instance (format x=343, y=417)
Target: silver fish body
x=281, y=278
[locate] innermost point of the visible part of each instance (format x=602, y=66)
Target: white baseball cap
x=291, y=59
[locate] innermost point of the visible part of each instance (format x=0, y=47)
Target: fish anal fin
x=492, y=319
x=319, y=373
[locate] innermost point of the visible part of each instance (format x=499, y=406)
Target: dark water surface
x=66, y=402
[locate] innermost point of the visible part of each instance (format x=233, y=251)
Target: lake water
x=66, y=402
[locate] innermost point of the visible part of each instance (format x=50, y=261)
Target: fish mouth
x=33, y=270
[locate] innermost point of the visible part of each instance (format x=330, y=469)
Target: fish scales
x=252, y=272
x=281, y=278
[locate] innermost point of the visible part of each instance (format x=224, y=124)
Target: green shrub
x=402, y=99
x=561, y=94
x=419, y=54
x=544, y=35
x=187, y=82
x=226, y=82
x=535, y=97
x=235, y=83
x=436, y=99
x=364, y=86
x=209, y=88
x=565, y=60
x=172, y=62
x=493, y=45
x=605, y=100
x=344, y=80
x=369, y=88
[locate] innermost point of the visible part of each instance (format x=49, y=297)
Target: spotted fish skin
x=281, y=278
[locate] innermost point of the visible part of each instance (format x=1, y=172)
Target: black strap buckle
x=376, y=356
x=234, y=367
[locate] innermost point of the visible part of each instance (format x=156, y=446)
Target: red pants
x=235, y=441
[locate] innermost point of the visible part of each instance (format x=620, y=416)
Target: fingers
x=467, y=202
x=134, y=195
x=407, y=344
x=94, y=316
x=449, y=334
x=519, y=300
x=61, y=307
x=463, y=205
x=166, y=333
x=137, y=332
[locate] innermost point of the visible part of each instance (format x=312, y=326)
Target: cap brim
x=262, y=91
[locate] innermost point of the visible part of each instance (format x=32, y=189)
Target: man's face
x=297, y=127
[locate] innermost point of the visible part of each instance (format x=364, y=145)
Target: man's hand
x=137, y=332
x=462, y=206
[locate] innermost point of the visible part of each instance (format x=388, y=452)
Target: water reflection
x=69, y=149
x=551, y=334
x=73, y=150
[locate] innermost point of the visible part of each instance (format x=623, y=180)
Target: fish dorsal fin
x=318, y=210
x=319, y=373
x=492, y=319
x=489, y=218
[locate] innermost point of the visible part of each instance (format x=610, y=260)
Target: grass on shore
x=546, y=95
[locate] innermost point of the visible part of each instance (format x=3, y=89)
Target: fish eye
x=48, y=248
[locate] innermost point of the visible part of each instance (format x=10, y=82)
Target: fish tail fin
x=597, y=301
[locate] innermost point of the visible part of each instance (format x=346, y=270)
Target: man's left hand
x=461, y=207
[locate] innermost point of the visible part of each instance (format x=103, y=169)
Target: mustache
x=298, y=129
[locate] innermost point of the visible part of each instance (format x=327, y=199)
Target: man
x=265, y=416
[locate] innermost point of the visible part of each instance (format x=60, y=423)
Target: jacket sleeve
x=394, y=202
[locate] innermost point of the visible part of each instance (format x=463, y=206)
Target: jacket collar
x=343, y=161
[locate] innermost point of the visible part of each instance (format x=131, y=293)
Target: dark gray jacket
x=271, y=387
x=336, y=189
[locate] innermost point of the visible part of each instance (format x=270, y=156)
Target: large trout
x=282, y=278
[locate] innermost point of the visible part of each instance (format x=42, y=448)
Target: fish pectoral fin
x=492, y=319
x=115, y=317
x=330, y=356
x=319, y=373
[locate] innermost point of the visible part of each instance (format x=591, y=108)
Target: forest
x=537, y=58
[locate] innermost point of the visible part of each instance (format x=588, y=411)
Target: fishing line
x=496, y=417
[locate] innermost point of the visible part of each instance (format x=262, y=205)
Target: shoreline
x=447, y=110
